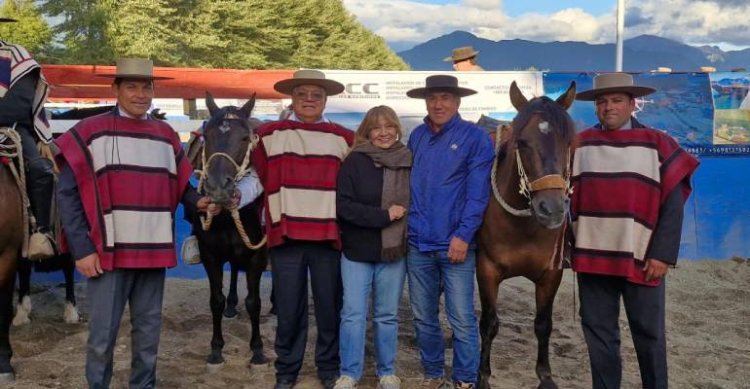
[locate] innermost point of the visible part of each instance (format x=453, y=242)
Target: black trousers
x=600, y=310
x=290, y=264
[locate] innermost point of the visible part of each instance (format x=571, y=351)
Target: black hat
x=442, y=82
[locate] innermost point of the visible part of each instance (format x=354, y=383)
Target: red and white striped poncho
x=131, y=175
x=620, y=180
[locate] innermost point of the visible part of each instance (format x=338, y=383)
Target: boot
x=41, y=190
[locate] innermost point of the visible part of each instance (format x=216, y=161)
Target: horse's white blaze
x=544, y=128
x=71, y=313
x=22, y=312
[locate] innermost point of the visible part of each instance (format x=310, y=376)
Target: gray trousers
x=600, y=311
x=143, y=290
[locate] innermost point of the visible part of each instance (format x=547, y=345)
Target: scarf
x=15, y=63
x=397, y=163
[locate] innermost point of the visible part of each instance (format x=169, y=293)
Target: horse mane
x=551, y=112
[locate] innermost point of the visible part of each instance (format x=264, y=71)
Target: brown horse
x=228, y=140
x=11, y=239
x=523, y=228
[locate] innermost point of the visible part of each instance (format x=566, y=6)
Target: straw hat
x=440, y=82
x=461, y=54
x=135, y=68
x=309, y=77
x=614, y=83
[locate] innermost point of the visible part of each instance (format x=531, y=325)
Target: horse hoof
x=230, y=312
x=23, y=310
x=547, y=383
x=213, y=368
x=259, y=359
x=7, y=378
x=71, y=315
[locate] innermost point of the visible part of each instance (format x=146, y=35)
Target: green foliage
x=258, y=34
x=31, y=31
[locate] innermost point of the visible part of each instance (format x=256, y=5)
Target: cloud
x=689, y=21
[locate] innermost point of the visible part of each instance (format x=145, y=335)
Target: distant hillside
x=641, y=53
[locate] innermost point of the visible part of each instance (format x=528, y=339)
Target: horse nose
x=544, y=209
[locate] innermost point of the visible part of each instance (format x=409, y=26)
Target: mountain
x=642, y=53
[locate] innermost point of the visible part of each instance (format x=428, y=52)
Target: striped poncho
x=298, y=164
x=620, y=180
x=131, y=175
x=15, y=63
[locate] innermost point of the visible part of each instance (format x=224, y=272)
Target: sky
x=403, y=23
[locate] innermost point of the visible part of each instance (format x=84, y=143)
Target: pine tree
x=31, y=31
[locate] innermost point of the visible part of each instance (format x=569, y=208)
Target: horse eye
x=522, y=144
x=245, y=138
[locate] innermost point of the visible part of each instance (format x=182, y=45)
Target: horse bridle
x=242, y=168
x=526, y=186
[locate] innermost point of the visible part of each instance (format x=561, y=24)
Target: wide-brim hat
x=135, y=68
x=308, y=77
x=7, y=20
x=614, y=83
x=461, y=54
x=440, y=82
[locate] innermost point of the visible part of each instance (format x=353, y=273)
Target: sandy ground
x=708, y=331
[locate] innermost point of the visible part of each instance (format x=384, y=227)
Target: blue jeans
x=427, y=272
x=387, y=282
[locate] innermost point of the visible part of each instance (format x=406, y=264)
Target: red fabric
x=316, y=172
x=124, y=189
x=628, y=194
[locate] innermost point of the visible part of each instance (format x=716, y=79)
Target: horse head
x=541, y=145
x=229, y=139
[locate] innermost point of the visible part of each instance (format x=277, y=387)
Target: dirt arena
x=708, y=334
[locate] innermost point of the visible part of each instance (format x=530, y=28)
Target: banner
x=731, y=130
x=682, y=106
x=367, y=89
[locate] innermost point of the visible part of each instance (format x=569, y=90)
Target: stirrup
x=40, y=247
x=190, y=252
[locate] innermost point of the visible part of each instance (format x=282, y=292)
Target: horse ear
x=211, y=104
x=516, y=97
x=247, y=109
x=566, y=99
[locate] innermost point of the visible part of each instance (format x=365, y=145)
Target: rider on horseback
x=23, y=91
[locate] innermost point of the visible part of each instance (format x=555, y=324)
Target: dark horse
x=59, y=262
x=524, y=225
x=11, y=240
x=228, y=134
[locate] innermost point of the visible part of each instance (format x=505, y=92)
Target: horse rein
x=242, y=170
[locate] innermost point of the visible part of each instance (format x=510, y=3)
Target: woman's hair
x=371, y=120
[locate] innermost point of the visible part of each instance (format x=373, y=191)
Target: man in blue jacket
x=450, y=186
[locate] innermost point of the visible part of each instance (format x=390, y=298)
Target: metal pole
x=620, y=33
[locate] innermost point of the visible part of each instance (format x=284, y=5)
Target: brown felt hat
x=461, y=54
x=440, y=82
x=309, y=77
x=614, y=83
x=135, y=68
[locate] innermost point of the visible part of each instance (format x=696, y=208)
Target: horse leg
x=23, y=308
x=214, y=270
x=71, y=308
x=546, y=289
x=232, y=299
x=252, y=304
x=488, y=280
x=8, y=266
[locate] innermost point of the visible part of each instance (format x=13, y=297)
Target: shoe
x=284, y=384
x=40, y=247
x=433, y=383
x=345, y=382
x=191, y=254
x=389, y=382
x=463, y=385
x=329, y=382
